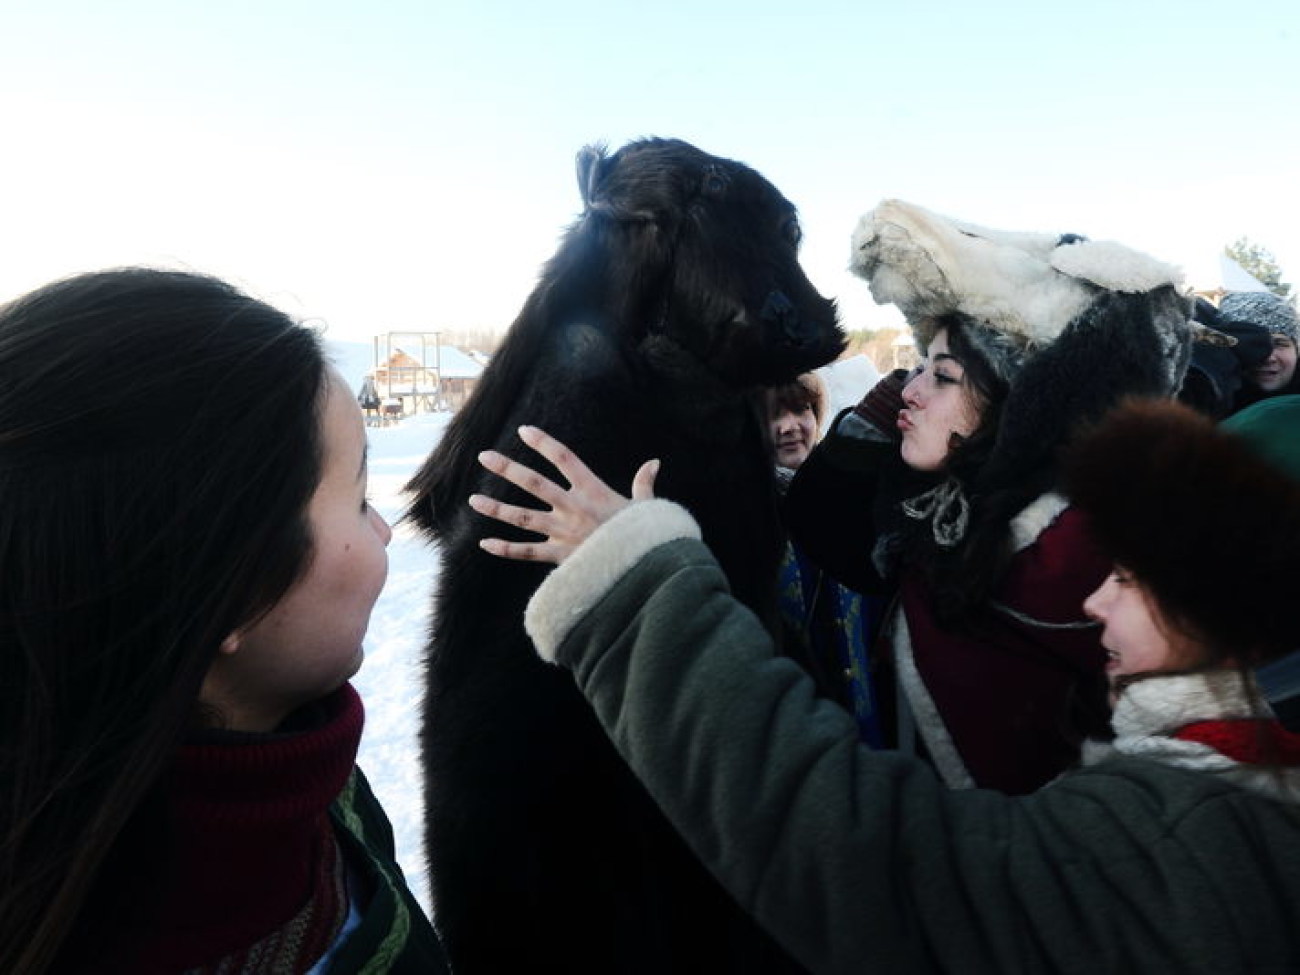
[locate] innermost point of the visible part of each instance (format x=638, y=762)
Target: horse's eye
x=714, y=183
x=793, y=232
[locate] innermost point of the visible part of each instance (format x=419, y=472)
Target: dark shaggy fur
x=672, y=299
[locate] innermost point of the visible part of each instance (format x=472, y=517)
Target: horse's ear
x=590, y=164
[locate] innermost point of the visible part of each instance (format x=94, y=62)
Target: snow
x=391, y=679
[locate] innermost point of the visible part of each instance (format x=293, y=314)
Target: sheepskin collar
x=1035, y=518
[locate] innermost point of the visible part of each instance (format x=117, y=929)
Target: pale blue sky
x=400, y=165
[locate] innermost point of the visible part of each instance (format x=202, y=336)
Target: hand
x=574, y=513
x=881, y=404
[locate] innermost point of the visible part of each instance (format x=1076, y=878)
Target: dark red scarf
x=235, y=852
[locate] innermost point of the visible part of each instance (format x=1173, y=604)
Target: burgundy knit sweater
x=232, y=865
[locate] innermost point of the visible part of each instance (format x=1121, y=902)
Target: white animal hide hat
x=1071, y=325
x=1024, y=288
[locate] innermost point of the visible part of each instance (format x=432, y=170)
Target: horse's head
x=703, y=252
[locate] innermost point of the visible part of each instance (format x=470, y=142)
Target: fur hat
x=1072, y=325
x=1024, y=288
x=1262, y=308
x=1202, y=519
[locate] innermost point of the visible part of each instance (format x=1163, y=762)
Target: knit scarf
x=1246, y=741
x=1209, y=722
x=244, y=873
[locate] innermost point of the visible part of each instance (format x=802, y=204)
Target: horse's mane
x=440, y=487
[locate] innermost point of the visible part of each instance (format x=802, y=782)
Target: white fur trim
x=566, y=595
x=1035, y=518
x=1150, y=710
x=929, y=723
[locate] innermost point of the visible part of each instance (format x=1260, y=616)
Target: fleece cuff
x=597, y=564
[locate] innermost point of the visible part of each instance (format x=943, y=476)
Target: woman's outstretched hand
x=574, y=513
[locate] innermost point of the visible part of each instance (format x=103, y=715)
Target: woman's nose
x=1094, y=607
x=912, y=391
x=382, y=527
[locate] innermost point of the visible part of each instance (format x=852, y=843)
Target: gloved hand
x=881, y=404
x=1249, y=343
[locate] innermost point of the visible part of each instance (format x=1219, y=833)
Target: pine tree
x=1260, y=263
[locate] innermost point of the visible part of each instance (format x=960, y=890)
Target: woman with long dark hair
x=189, y=565
x=941, y=488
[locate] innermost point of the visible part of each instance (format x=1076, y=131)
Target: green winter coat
x=861, y=861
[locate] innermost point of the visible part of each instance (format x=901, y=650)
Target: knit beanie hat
x=1200, y=517
x=1072, y=325
x=1262, y=308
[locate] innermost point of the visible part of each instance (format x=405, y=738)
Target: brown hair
x=805, y=390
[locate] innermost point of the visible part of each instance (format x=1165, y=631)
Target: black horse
x=671, y=301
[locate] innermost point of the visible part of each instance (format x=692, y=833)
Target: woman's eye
x=946, y=379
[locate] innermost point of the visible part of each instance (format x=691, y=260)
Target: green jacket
x=861, y=861
x=394, y=935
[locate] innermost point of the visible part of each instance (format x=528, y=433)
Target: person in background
x=1175, y=847
x=190, y=563
x=943, y=485
x=1223, y=354
x=795, y=413
x=826, y=625
x=1276, y=374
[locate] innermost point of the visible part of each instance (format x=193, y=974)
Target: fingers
x=519, y=551
x=643, y=484
x=522, y=476
x=573, y=512
x=565, y=460
x=529, y=519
